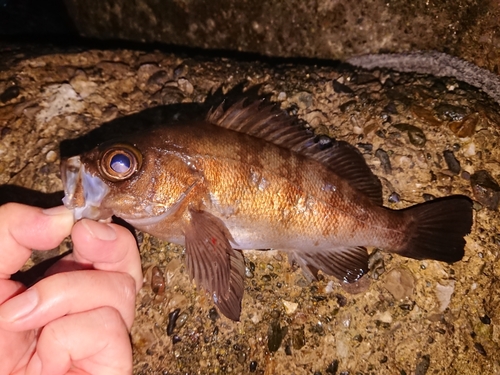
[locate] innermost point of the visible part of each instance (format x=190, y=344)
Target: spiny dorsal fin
x=264, y=120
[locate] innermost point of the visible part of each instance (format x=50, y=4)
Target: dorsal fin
x=264, y=120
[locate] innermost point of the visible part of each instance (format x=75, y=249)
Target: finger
x=95, y=342
x=23, y=228
x=16, y=349
x=69, y=293
x=107, y=247
x=9, y=288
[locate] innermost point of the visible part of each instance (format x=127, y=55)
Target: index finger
x=23, y=228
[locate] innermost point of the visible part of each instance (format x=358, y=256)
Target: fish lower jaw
x=91, y=212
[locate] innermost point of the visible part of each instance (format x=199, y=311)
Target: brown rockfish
x=247, y=177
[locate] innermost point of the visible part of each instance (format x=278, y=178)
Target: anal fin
x=213, y=263
x=347, y=264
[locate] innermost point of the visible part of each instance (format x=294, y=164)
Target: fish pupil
x=120, y=163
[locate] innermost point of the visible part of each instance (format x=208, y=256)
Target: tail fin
x=438, y=229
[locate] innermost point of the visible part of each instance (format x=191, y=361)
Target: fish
x=248, y=176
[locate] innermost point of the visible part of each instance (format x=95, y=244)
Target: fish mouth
x=83, y=193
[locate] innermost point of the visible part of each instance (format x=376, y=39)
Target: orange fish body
x=247, y=178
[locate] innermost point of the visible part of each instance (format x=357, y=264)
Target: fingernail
x=99, y=230
x=55, y=211
x=19, y=306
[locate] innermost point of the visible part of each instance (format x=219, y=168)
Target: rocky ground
x=424, y=137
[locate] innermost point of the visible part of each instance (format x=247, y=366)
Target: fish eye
x=119, y=162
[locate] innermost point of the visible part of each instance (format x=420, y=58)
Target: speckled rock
x=320, y=29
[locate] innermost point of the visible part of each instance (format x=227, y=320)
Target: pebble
x=275, y=335
x=415, y=134
x=384, y=160
x=253, y=366
x=451, y=161
x=485, y=319
x=157, y=281
x=333, y=367
x=298, y=338
x=213, y=314
x=444, y=293
x=290, y=307
x=423, y=365
x=176, y=339
x=185, y=86
x=394, y=198
x=172, y=319
x=282, y=96
x=241, y=357
x=248, y=273
x=181, y=320
x=303, y=99
x=51, y=156
x=400, y=283
x=485, y=189
x=480, y=349
x=465, y=127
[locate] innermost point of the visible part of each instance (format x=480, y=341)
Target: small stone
x=394, y=198
x=465, y=127
x=423, y=365
x=428, y=197
x=384, y=160
x=253, y=366
x=157, y=281
x=480, y=349
x=298, y=338
x=333, y=367
x=400, y=283
x=485, y=189
x=181, y=320
x=290, y=307
x=485, y=319
x=248, y=273
x=415, y=134
x=185, y=86
x=303, y=99
x=51, y=156
x=275, y=335
x=241, y=357
x=425, y=115
x=213, y=314
x=175, y=339
x=172, y=318
x=444, y=293
x=451, y=161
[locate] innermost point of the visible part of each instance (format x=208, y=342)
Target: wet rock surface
x=443, y=320
x=301, y=28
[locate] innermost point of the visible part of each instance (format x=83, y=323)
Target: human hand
x=77, y=319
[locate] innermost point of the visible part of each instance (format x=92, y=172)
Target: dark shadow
x=156, y=117
x=19, y=194
x=37, y=272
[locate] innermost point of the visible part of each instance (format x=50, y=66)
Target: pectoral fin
x=213, y=263
x=347, y=264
